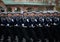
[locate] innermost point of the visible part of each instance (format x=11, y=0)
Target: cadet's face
x=16, y=15
x=2, y=15
x=9, y=14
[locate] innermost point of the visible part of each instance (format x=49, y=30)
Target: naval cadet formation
x=29, y=28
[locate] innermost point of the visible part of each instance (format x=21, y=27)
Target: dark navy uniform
x=4, y=29
x=10, y=28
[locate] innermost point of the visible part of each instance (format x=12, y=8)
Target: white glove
x=2, y=24
x=12, y=20
x=40, y=25
x=27, y=20
x=36, y=20
x=16, y=25
x=54, y=24
x=32, y=25
x=8, y=25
